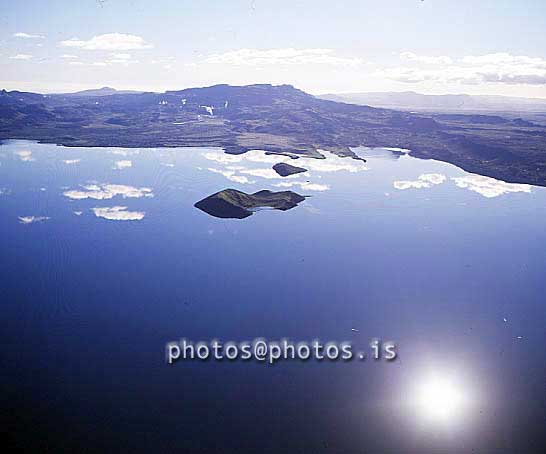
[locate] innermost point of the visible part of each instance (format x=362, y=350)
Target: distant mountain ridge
x=104, y=91
x=410, y=100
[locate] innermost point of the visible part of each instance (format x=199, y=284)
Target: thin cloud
x=27, y=35
x=123, y=59
x=117, y=59
x=93, y=63
x=503, y=58
x=500, y=67
x=32, y=219
x=286, y=56
x=22, y=57
x=109, y=41
x=441, y=60
x=121, y=56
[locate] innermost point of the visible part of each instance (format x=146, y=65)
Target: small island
x=234, y=204
x=285, y=170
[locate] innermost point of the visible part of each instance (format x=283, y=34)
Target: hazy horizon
x=257, y=83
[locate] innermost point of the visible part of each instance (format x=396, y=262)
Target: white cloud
x=25, y=155
x=502, y=58
x=109, y=41
x=425, y=180
x=103, y=63
x=122, y=59
x=498, y=67
x=441, y=60
x=71, y=161
x=124, y=164
x=121, y=56
x=489, y=187
x=286, y=56
x=78, y=213
x=69, y=57
x=27, y=35
x=22, y=57
x=32, y=219
x=107, y=191
x=118, y=213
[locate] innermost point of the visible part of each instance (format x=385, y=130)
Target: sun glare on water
x=440, y=399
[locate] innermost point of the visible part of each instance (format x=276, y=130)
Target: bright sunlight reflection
x=440, y=399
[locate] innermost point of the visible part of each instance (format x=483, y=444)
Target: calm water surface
x=449, y=265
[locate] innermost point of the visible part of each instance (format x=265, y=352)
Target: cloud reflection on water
x=239, y=173
x=489, y=187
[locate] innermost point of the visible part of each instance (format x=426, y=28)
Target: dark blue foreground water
x=453, y=271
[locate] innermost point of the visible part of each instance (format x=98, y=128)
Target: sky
x=430, y=46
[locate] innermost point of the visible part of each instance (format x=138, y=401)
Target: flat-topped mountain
x=278, y=119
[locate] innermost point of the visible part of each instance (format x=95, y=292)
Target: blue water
x=454, y=276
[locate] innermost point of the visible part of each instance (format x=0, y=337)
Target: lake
x=105, y=259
